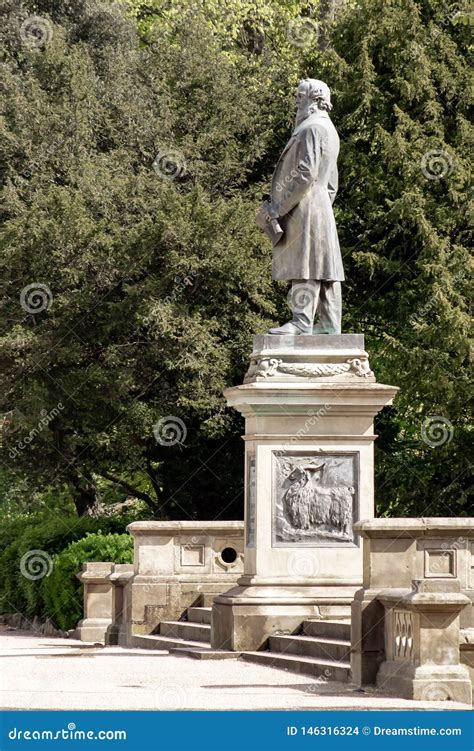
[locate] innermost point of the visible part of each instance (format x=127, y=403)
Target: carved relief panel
x=250, y=501
x=315, y=498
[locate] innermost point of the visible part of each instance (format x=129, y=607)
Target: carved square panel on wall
x=440, y=563
x=192, y=555
x=315, y=498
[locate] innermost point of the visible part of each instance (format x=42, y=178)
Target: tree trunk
x=85, y=494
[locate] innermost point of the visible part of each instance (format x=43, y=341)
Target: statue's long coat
x=304, y=186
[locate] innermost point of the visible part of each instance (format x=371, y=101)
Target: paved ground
x=38, y=672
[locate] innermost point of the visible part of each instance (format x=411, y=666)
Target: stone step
x=337, y=650
x=199, y=615
x=155, y=641
x=328, y=669
x=186, y=630
x=328, y=629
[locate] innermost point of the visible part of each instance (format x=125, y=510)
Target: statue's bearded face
x=303, y=103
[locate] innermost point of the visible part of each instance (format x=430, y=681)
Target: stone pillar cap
x=97, y=571
x=407, y=599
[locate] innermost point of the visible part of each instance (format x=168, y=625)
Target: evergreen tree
x=400, y=80
x=133, y=275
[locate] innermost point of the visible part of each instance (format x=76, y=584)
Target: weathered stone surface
x=333, y=357
x=309, y=478
x=406, y=619
x=98, y=601
x=178, y=565
x=120, y=577
x=422, y=645
x=422, y=549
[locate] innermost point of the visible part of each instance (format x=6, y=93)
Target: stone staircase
x=191, y=634
x=321, y=648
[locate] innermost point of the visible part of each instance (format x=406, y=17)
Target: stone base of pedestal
x=93, y=629
x=426, y=682
x=116, y=635
x=367, y=637
x=246, y=616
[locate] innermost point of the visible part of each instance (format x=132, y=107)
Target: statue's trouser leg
x=329, y=308
x=303, y=299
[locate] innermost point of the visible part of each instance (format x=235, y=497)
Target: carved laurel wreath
x=271, y=366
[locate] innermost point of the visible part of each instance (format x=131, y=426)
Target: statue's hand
x=272, y=211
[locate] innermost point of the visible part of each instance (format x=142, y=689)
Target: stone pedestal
x=98, y=601
x=120, y=577
x=309, y=403
x=422, y=643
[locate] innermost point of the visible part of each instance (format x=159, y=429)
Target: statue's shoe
x=289, y=329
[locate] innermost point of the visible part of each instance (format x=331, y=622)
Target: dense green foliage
x=28, y=545
x=62, y=591
x=158, y=276
x=401, y=82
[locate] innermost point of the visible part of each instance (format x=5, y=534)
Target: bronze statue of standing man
x=299, y=217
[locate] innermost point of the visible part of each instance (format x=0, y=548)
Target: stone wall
x=178, y=565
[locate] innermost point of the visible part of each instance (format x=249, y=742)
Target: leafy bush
x=62, y=591
x=49, y=535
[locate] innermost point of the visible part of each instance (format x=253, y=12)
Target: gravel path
x=39, y=672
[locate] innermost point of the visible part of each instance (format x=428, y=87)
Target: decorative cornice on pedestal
x=338, y=358
x=307, y=398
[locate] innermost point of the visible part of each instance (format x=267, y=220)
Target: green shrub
x=49, y=535
x=62, y=591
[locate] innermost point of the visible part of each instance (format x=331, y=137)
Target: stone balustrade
x=417, y=593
